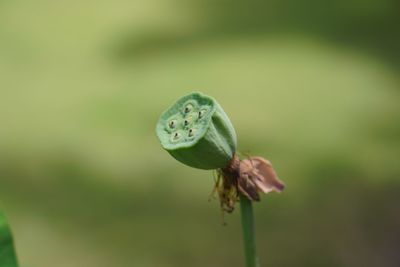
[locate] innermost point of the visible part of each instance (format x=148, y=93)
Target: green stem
x=248, y=232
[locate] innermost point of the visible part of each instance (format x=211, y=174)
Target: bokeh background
x=311, y=85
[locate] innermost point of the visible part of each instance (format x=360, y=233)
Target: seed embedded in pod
x=202, y=113
x=191, y=132
x=172, y=124
x=188, y=108
x=188, y=121
x=175, y=137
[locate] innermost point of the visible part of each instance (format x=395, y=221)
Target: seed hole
x=188, y=120
x=175, y=137
x=191, y=133
x=202, y=113
x=172, y=124
x=188, y=108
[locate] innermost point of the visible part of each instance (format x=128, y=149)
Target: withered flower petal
x=248, y=188
x=261, y=173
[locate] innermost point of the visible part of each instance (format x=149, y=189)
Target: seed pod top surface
x=197, y=132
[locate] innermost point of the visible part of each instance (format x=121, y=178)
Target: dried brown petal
x=261, y=173
x=248, y=188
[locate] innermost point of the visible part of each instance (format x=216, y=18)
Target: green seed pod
x=197, y=132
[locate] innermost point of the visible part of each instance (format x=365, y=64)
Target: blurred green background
x=311, y=85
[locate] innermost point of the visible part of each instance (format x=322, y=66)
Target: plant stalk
x=249, y=241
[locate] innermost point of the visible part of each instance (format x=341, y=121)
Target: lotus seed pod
x=197, y=132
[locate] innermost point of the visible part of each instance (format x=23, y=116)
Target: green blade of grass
x=7, y=253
